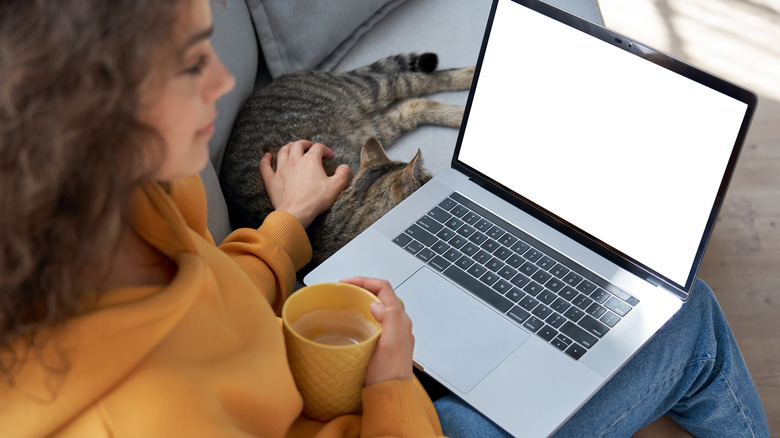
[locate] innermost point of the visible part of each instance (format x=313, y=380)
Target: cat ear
x=372, y=152
x=414, y=169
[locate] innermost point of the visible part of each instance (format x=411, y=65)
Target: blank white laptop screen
x=626, y=151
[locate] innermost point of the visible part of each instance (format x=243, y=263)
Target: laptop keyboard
x=540, y=289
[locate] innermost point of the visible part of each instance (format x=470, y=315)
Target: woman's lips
x=206, y=131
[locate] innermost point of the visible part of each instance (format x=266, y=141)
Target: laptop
x=584, y=186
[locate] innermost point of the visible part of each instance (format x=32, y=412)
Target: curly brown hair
x=71, y=148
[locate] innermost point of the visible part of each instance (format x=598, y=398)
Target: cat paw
x=426, y=62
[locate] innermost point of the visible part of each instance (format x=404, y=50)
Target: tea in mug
x=334, y=326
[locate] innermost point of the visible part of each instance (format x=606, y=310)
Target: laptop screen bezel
x=652, y=55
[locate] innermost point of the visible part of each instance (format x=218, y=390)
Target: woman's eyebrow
x=197, y=37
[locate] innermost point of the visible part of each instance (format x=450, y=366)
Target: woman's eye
x=197, y=67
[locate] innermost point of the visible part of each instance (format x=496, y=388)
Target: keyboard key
x=402, y=239
x=586, y=287
x=478, y=289
x=533, y=288
x=533, y=254
x=567, y=293
x=547, y=296
x=559, y=344
x=507, y=240
x=502, y=287
x=578, y=335
x=546, y=263
x=528, y=302
x=440, y=247
x=541, y=276
x=426, y=254
x=477, y=270
x=515, y=294
x=572, y=278
x=559, y=271
x=439, y=214
x=564, y=339
x=489, y=278
x=471, y=218
x=515, y=261
x=520, y=247
x=464, y=262
x=494, y=264
x=459, y=211
x=555, y=319
x=447, y=204
x=430, y=224
x=519, y=314
x=482, y=256
x=457, y=241
x=582, y=302
x=503, y=253
x=609, y=319
x=547, y=333
x=575, y=351
x=593, y=327
x=542, y=311
x=439, y=263
x=520, y=280
x=466, y=230
x=574, y=314
x=495, y=232
x=599, y=295
x=528, y=268
x=554, y=284
x=507, y=272
x=454, y=223
x=560, y=305
x=617, y=306
x=533, y=323
x=595, y=310
x=413, y=247
x=478, y=238
x=445, y=234
x=452, y=255
x=483, y=225
x=469, y=249
x=490, y=245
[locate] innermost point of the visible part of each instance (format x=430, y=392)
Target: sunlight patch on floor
x=735, y=39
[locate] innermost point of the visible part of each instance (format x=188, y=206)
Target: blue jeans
x=692, y=370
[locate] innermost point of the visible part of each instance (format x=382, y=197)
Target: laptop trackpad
x=457, y=336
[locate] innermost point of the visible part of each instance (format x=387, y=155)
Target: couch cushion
x=235, y=42
x=306, y=34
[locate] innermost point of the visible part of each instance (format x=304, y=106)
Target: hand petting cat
x=299, y=184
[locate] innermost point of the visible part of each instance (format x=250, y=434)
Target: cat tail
x=407, y=62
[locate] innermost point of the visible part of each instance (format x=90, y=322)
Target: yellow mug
x=330, y=336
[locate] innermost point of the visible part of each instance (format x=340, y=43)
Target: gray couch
x=260, y=39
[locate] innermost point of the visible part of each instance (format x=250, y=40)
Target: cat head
x=396, y=179
x=379, y=185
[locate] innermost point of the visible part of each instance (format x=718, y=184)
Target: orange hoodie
x=201, y=357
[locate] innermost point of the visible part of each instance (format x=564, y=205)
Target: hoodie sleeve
x=279, y=248
x=270, y=255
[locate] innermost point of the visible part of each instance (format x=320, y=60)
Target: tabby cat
x=352, y=113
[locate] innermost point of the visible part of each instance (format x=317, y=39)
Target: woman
x=118, y=314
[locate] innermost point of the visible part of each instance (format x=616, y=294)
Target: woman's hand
x=392, y=358
x=299, y=184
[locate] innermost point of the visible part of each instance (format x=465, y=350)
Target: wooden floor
x=736, y=39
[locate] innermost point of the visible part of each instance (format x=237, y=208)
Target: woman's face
x=181, y=103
